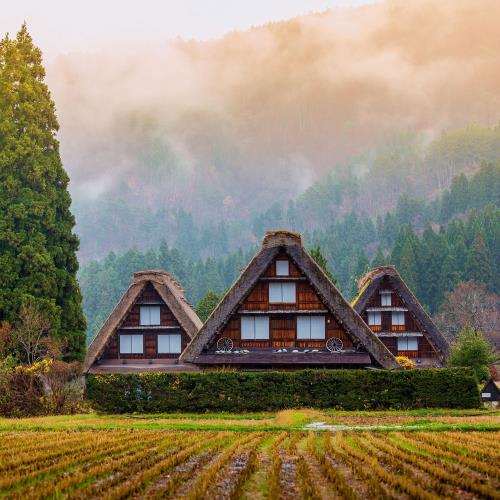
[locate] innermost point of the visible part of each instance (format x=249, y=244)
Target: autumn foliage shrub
x=260, y=391
x=21, y=391
x=405, y=362
x=47, y=387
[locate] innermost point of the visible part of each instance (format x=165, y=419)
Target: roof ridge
x=373, y=273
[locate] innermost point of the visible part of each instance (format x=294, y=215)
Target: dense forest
x=338, y=111
x=435, y=245
x=405, y=167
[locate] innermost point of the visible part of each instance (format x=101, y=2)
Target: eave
x=273, y=359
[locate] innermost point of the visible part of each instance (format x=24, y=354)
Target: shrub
x=405, y=362
x=472, y=349
x=45, y=388
x=260, y=391
x=21, y=391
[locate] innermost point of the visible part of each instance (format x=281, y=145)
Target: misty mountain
x=222, y=129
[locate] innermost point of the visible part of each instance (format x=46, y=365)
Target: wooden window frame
x=406, y=346
x=374, y=313
x=131, y=336
x=149, y=307
x=255, y=319
x=274, y=284
x=394, y=313
x=169, y=335
x=385, y=295
x=301, y=318
x=282, y=261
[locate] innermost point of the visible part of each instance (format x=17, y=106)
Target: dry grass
x=208, y=464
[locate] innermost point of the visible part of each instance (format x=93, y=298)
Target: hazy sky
x=60, y=26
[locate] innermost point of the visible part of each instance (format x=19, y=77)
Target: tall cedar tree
x=38, y=261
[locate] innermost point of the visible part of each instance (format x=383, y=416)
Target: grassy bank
x=287, y=420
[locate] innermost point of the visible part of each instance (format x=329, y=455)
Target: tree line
x=432, y=257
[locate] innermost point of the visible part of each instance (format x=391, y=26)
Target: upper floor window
x=386, y=298
x=131, y=344
x=398, y=318
x=374, y=318
x=169, y=344
x=310, y=327
x=282, y=268
x=254, y=327
x=282, y=293
x=407, y=344
x=150, y=315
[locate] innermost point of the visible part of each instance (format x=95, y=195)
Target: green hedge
x=259, y=391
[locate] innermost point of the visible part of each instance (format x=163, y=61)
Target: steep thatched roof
x=370, y=283
x=170, y=292
x=291, y=243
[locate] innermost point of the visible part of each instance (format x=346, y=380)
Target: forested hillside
x=435, y=246
x=338, y=111
x=378, y=146
x=373, y=183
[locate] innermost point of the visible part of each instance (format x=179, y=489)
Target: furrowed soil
x=287, y=464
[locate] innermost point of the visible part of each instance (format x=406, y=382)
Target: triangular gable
x=169, y=291
x=370, y=283
x=291, y=243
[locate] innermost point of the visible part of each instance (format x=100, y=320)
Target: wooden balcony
x=408, y=354
x=375, y=328
x=398, y=328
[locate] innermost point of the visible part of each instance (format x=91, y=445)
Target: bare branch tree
x=31, y=333
x=5, y=337
x=470, y=304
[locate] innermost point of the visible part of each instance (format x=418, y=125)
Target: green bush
x=259, y=391
x=472, y=349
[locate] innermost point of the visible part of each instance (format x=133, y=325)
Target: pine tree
x=379, y=258
x=212, y=278
x=404, y=257
x=362, y=265
x=38, y=261
x=432, y=257
x=479, y=263
x=207, y=304
x=164, y=256
x=322, y=262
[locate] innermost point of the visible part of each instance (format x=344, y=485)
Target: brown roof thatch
x=170, y=292
x=292, y=244
x=370, y=283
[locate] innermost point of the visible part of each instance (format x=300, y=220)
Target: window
x=282, y=268
x=398, y=318
x=310, y=327
x=407, y=344
x=282, y=293
x=169, y=344
x=131, y=344
x=254, y=328
x=386, y=298
x=150, y=315
x=374, y=318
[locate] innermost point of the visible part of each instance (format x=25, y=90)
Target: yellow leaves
x=405, y=362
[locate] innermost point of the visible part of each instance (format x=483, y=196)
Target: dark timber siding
x=283, y=325
x=167, y=319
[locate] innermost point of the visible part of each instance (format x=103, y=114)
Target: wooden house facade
x=148, y=329
x=393, y=313
x=490, y=394
x=284, y=312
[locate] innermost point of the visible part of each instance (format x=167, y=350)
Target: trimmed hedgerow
x=259, y=391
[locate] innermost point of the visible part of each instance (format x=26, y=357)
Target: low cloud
x=259, y=115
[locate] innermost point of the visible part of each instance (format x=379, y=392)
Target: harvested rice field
x=250, y=464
